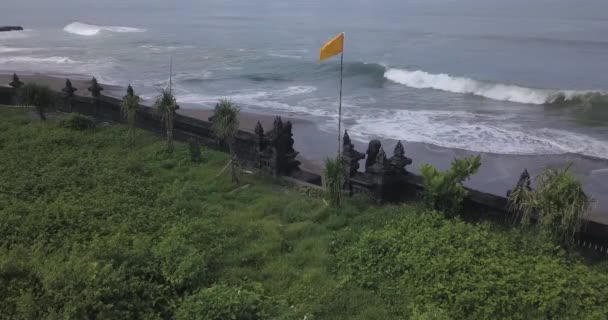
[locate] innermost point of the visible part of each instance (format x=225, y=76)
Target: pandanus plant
x=166, y=106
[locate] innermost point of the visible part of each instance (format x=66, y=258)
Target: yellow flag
x=332, y=47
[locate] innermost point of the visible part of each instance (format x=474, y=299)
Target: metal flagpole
x=340, y=103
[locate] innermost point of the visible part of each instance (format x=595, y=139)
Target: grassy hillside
x=92, y=227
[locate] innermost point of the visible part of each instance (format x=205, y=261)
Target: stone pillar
x=16, y=82
x=350, y=161
x=69, y=93
x=95, y=90
x=276, y=148
x=379, y=171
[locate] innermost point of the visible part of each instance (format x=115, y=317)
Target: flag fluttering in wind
x=331, y=48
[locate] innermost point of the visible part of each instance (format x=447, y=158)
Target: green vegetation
x=194, y=146
x=77, y=121
x=225, y=122
x=333, y=181
x=38, y=96
x=166, y=105
x=559, y=203
x=443, y=191
x=130, y=105
x=94, y=227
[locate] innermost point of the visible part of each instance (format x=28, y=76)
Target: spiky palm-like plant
x=333, y=181
x=130, y=105
x=166, y=106
x=225, y=122
x=558, y=203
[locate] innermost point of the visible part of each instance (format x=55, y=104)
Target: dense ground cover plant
x=94, y=227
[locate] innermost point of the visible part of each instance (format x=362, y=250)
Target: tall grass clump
x=37, y=96
x=558, y=204
x=129, y=106
x=333, y=181
x=444, y=191
x=166, y=105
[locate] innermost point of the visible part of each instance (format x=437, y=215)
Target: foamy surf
x=84, y=29
x=496, y=91
x=36, y=60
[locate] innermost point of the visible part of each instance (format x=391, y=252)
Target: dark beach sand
x=498, y=172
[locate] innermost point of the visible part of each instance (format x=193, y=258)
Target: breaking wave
x=496, y=91
x=84, y=29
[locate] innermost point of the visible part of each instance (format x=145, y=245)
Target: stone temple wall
x=270, y=150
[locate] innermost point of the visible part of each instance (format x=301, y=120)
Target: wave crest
x=496, y=91
x=84, y=29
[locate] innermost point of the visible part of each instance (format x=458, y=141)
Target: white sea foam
x=9, y=49
x=37, y=60
x=464, y=130
x=504, y=92
x=84, y=29
x=283, y=55
x=15, y=34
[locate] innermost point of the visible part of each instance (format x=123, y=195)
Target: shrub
x=222, y=302
x=77, y=121
x=558, y=202
x=333, y=181
x=444, y=191
x=166, y=106
x=428, y=267
x=38, y=96
x=130, y=105
x=195, y=150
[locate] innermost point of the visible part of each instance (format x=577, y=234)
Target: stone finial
x=372, y=152
x=350, y=156
x=287, y=129
x=95, y=88
x=278, y=124
x=130, y=91
x=346, y=139
x=16, y=83
x=398, y=161
x=259, y=133
x=69, y=89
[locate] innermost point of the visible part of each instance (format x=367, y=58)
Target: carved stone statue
x=398, y=161
x=372, y=151
x=69, y=89
x=95, y=88
x=16, y=83
x=381, y=164
x=350, y=156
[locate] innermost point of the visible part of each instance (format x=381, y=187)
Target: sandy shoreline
x=498, y=173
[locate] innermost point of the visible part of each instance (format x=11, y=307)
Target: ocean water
x=508, y=77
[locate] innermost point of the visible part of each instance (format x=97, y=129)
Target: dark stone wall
x=7, y=95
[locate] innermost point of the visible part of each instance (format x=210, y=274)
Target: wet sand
x=497, y=174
